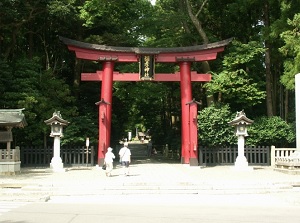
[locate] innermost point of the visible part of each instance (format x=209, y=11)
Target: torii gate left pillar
x=193, y=128
x=186, y=96
x=105, y=110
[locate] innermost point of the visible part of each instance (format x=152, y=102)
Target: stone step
x=44, y=193
x=138, y=150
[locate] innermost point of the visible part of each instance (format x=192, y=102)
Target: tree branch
x=196, y=22
x=202, y=6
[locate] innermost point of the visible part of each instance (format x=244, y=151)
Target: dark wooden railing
x=79, y=156
x=260, y=155
x=71, y=156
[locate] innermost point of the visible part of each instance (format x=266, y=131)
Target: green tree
x=117, y=23
x=269, y=131
x=39, y=73
x=213, y=127
x=40, y=94
x=291, y=50
x=235, y=84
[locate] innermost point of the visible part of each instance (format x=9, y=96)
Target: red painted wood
x=186, y=96
x=95, y=55
x=131, y=57
x=195, y=77
x=194, y=56
x=108, y=69
x=193, y=131
x=102, y=134
x=105, y=110
x=116, y=76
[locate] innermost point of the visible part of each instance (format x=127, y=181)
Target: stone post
x=297, y=101
x=56, y=162
x=295, y=157
x=241, y=161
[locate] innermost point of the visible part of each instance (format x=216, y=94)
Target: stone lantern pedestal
x=241, y=122
x=56, y=162
x=57, y=123
x=241, y=162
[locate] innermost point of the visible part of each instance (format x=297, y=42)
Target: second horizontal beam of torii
x=195, y=77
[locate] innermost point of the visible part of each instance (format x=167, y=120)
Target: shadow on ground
x=155, y=159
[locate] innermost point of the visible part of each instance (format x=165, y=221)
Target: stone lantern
x=241, y=122
x=56, y=122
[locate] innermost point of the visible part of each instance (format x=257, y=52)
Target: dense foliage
x=214, y=128
x=271, y=131
x=255, y=73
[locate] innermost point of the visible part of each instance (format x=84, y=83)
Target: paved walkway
x=146, y=177
x=153, y=192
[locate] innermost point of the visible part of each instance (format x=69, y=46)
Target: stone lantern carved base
x=57, y=165
x=241, y=164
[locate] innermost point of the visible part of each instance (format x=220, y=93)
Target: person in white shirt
x=108, y=160
x=125, y=158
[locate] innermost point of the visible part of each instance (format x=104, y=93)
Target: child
x=125, y=154
x=108, y=160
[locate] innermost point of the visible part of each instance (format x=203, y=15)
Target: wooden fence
x=226, y=156
x=78, y=156
x=71, y=156
x=260, y=155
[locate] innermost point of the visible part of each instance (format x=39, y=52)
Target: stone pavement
x=153, y=192
x=146, y=177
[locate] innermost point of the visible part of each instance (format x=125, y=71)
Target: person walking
x=108, y=160
x=125, y=158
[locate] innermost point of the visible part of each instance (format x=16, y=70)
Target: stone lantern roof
x=12, y=118
x=240, y=118
x=56, y=119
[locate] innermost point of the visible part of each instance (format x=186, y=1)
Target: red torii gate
x=147, y=57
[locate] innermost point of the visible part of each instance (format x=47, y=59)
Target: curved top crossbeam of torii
x=130, y=54
x=99, y=53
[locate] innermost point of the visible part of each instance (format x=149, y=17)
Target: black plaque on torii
x=147, y=67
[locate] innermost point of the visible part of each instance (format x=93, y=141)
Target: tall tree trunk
x=47, y=59
x=269, y=81
x=10, y=49
x=77, y=69
x=185, y=25
x=198, y=25
x=30, y=45
x=196, y=22
x=286, y=104
x=45, y=140
x=281, y=101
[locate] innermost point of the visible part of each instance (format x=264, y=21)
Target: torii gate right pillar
x=186, y=96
